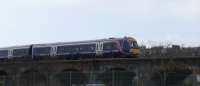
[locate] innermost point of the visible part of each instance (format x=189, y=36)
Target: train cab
x=129, y=46
x=134, y=48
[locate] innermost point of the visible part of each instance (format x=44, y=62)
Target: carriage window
x=21, y=52
x=63, y=49
x=67, y=49
x=74, y=48
x=42, y=51
x=109, y=46
x=87, y=48
x=3, y=53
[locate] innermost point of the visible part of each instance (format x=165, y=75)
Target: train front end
x=134, y=48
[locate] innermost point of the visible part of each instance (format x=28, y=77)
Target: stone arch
x=170, y=77
x=117, y=77
x=32, y=77
x=4, y=78
x=3, y=73
x=70, y=77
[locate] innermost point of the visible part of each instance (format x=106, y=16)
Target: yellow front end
x=135, y=51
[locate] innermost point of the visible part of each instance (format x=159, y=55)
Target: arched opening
x=175, y=77
x=32, y=78
x=3, y=73
x=70, y=77
x=117, y=77
x=4, y=78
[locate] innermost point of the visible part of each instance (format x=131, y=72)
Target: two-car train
x=112, y=47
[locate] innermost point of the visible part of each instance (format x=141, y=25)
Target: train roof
x=79, y=42
x=15, y=47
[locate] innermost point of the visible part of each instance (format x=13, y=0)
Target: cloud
x=45, y=17
x=103, y=7
x=141, y=7
x=106, y=7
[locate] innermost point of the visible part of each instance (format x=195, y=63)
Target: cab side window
x=126, y=46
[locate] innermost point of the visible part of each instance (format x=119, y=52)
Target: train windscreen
x=133, y=44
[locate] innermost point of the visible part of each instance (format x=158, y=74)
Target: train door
x=53, y=50
x=10, y=53
x=99, y=48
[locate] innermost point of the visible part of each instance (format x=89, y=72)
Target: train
x=111, y=47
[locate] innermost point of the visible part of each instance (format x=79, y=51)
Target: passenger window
x=42, y=51
x=63, y=49
x=87, y=48
x=74, y=48
x=21, y=52
x=3, y=53
x=67, y=49
x=109, y=46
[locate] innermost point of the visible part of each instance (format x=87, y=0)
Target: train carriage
x=15, y=52
x=113, y=47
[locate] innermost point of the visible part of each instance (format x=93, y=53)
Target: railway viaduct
x=148, y=71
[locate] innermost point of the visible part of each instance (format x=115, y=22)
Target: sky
x=151, y=22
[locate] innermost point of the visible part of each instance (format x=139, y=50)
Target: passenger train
x=112, y=47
